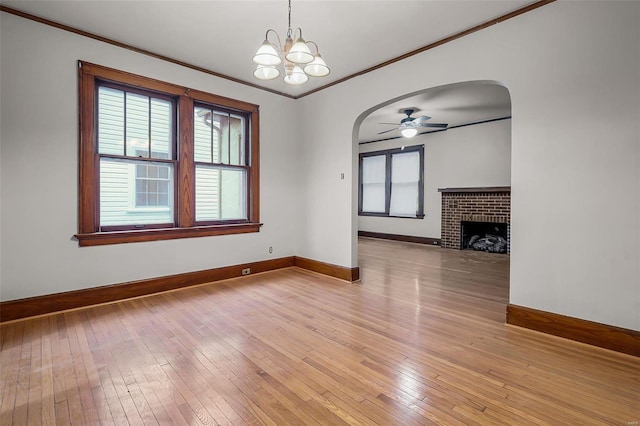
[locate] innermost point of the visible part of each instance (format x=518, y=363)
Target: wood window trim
x=389, y=153
x=88, y=185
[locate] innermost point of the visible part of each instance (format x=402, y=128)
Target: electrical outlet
x=246, y=271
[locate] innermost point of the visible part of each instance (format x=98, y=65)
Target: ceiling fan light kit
x=299, y=61
x=409, y=132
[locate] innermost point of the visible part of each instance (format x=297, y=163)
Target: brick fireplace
x=482, y=204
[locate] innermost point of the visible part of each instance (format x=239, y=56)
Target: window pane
x=204, y=134
x=137, y=119
x=234, y=194
x=220, y=194
x=207, y=193
x=405, y=176
x=373, y=183
x=129, y=199
x=233, y=152
x=110, y=121
x=161, y=123
x=222, y=153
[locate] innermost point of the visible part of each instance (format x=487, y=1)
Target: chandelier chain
x=289, y=14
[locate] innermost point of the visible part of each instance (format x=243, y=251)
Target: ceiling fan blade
x=436, y=125
x=421, y=119
x=390, y=124
x=387, y=131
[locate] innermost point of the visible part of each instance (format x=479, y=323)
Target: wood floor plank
x=21, y=406
x=9, y=359
x=34, y=413
x=62, y=413
x=48, y=399
x=420, y=340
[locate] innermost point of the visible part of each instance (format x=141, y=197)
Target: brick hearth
x=489, y=204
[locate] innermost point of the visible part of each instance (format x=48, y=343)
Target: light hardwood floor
x=420, y=340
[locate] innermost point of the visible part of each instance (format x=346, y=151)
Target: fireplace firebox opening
x=484, y=236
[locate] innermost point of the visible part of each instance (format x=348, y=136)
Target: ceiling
x=454, y=104
x=222, y=36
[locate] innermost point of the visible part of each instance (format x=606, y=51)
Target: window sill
x=135, y=236
x=420, y=216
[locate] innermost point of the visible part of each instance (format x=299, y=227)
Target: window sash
x=220, y=193
x=219, y=136
x=135, y=123
x=118, y=196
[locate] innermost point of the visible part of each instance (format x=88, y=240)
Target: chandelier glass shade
x=299, y=61
x=264, y=72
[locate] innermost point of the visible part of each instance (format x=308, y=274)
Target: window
x=160, y=161
x=221, y=170
x=392, y=183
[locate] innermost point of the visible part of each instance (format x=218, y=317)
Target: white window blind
x=373, y=183
x=405, y=178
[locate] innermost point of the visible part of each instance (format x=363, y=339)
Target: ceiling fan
x=409, y=125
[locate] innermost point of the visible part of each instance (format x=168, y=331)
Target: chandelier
x=299, y=61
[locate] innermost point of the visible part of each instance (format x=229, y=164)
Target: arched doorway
x=473, y=151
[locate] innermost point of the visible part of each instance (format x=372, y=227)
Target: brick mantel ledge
x=478, y=189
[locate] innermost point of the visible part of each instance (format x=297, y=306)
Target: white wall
x=478, y=155
x=39, y=154
x=572, y=70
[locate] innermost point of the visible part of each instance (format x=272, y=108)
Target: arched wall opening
x=474, y=151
